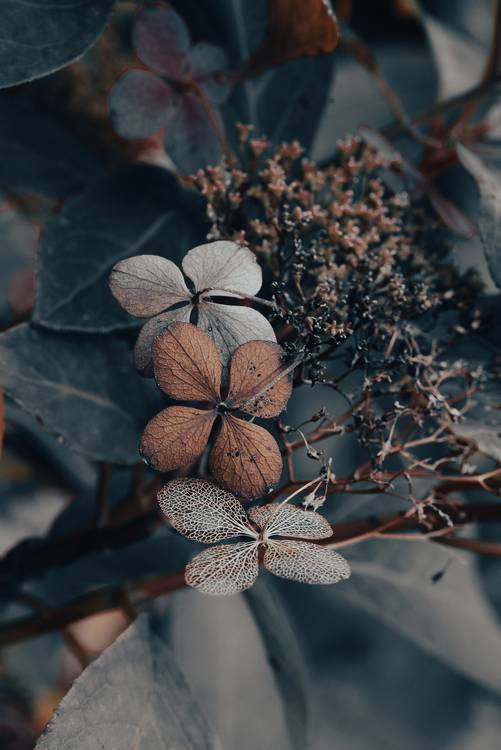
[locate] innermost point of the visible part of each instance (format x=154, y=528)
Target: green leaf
x=41, y=36
x=284, y=656
x=140, y=209
x=83, y=389
x=133, y=696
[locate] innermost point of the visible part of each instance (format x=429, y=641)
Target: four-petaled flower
x=206, y=513
x=179, y=95
x=150, y=286
x=244, y=458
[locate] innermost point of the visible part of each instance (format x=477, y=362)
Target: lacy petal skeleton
x=206, y=513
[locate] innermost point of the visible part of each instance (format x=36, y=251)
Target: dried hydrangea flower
x=150, y=286
x=178, y=95
x=245, y=458
x=205, y=513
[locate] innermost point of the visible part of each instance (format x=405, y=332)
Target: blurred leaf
x=2, y=424
x=459, y=58
x=83, y=389
x=140, y=209
x=284, y=656
x=293, y=30
x=488, y=180
x=482, y=421
x=43, y=36
x=47, y=159
x=232, y=678
x=133, y=695
x=285, y=104
x=451, y=618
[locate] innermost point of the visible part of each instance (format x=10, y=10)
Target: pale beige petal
x=290, y=520
x=232, y=325
x=202, y=511
x=305, y=562
x=225, y=569
x=143, y=355
x=147, y=285
x=259, y=382
x=224, y=267
x=176, y=437
x=186, y=364
x=245, y=458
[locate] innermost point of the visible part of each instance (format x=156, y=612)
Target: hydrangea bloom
x=206, y=513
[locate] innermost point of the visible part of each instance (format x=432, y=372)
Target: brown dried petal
x=202, y=511
x=257, y=383
x=305, y=562
x=245, y=458
x=143, y=354
x=186, y=364
x=223, y=570
x=290, y=520
x=147, y=285
x=176, y=437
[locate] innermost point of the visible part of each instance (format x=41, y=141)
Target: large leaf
x=285, y=103
x=488, y=179
x=41, y=36
x=450, y=618
x=140, y=209
x=82, y=388
x=133, y=696
x=219, y=648
x=46, y=159
x=284, y=656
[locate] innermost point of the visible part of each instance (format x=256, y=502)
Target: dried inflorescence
x=343, y=253
x=206, y=513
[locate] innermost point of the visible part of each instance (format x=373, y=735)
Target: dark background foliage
x=408, y=653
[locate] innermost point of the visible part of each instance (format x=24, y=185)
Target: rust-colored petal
x=186, y=364
x=143, y=354
x=245, y=458
x=176, y=437
x=259, y=383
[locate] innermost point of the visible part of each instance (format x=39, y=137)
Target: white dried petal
x=224, y=267
x=230, y=326
x=305, y=562
x=202, y=511
x=147, y=285
x=290, y=520
x=225, y=569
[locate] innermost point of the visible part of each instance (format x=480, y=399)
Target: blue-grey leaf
x=138, y=210
x=133, y=696
x=41, y=36
x=83, y=389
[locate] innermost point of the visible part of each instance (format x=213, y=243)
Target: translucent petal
x=139, y=104
x=223, y=570
x=206, y=62
x=290, y=520
x=190, y=138
x=176, y=437
x=143, y=355
x=257, y=368
x=305, y=562
x=202, y=511
x=230, y=326
x=187, y=365
x=147, y=285
x=162, y=41
x=245, y=458
x=224, y=267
